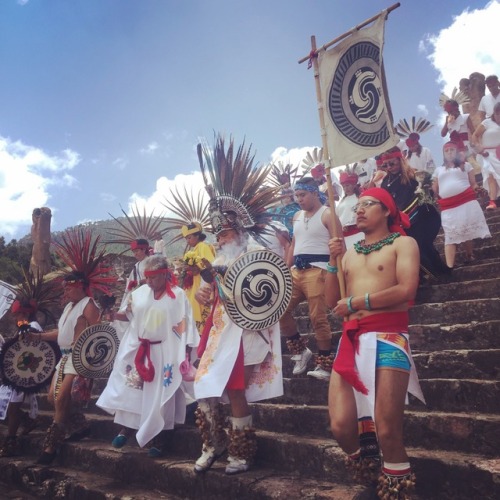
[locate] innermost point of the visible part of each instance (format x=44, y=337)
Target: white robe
x=151, y=407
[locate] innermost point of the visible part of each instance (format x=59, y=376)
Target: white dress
x=465, y=222
x=348, y=218
x=491, y=141
x=151, y=407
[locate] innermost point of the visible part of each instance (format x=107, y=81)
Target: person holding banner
x=373, y=370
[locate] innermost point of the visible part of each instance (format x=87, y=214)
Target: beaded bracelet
x=350, y=309
x=331, y=269
x=368, y=306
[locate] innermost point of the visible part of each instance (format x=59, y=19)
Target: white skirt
x=464, y=223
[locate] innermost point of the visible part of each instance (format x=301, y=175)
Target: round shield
x=95, y=350
x=261, y=284
x=28, y=365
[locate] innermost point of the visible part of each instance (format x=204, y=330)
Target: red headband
x=400, y=219
x=346, y=178
x=156, y=272
x=134, y=245
x=390, y=155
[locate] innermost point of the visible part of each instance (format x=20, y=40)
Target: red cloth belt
x=146, y=371
x=459, y=199
x=344, y=364
x=350, y=230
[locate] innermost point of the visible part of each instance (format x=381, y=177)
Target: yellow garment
x=200, y=313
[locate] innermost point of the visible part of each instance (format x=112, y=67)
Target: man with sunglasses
x=373, y=370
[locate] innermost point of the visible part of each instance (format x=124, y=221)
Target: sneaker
x=236, y=465
x=301, y=361
x=120, y=441
x=319, y=373
x=207, y=459
x=491, y=205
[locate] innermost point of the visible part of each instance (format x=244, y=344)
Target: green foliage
x=14, y=257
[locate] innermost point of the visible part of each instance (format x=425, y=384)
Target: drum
x=261, y=284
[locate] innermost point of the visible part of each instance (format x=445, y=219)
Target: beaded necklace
x=360, y=246
x=392, y=180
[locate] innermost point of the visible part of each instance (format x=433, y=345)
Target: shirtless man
x=373, y=369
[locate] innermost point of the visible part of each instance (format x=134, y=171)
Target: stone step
x=469, y=433
x=287, y=466
x=451, y=395
x=171, y=477
x=448, y=313
x=463, y=290
x=470, y=335
x=478, y=242
x=465, y=363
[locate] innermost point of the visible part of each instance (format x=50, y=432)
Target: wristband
x=349, y=305
x=368, y=306
x=331, y=269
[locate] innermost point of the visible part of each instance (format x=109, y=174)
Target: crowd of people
x=364, y=261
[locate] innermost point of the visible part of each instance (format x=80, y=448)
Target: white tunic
x=490, y=141
x=152, y=406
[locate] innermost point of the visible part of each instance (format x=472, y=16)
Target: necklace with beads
x=392, y=180
x=360, y=246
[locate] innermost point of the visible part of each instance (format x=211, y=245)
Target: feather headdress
x=36, y=293
x=79, y=250
x=456, y=95
x=314, y=165
x=282, y=174
x=188, y=209
x=405, y=128
x=137, y=226
x=239, y=198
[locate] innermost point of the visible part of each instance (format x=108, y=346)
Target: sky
x=102, y=102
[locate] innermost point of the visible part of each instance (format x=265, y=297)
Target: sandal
x=120, y=441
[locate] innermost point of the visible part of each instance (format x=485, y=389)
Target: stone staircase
x=453, y=441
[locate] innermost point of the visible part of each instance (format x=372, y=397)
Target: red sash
x=459, y=199
x=146, y=371
x=391, y=322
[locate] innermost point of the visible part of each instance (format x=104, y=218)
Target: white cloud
x=192, y=182
x=422, y=110
x=150, y=148
x=293, y=156
x=107, y=197
x=120, y=163
x=27, y=174
x=22, y=2
x=470, y=44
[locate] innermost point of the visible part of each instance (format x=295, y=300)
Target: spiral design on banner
x=365, y=96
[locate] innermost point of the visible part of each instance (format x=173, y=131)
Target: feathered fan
x=456, y=95
x=414, y=126
x=188, y=208
x=139, y=225
x=282, y=174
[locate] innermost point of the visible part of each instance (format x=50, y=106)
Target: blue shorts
x=393, y=357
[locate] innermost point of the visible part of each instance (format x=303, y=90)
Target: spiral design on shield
x=98, y=351
x=261, y=290
x=365, y=101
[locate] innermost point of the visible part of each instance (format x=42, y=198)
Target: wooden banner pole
x=350, y=32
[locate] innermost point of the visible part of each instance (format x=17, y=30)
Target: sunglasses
x=364, y=205
x=390, y=164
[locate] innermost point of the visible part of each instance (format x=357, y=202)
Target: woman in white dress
x=486, y=140
x=461, y=215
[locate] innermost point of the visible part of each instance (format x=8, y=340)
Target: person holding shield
x=237, y=364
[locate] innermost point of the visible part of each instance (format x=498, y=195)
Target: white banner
x=7, y=296
x=358, y=119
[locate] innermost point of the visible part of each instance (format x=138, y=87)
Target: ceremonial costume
x=491, y=144
x=237, y=210
x=487, y=104
x=345, y=213
x=461, y=215
x=165, y=327
x=194, y=257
